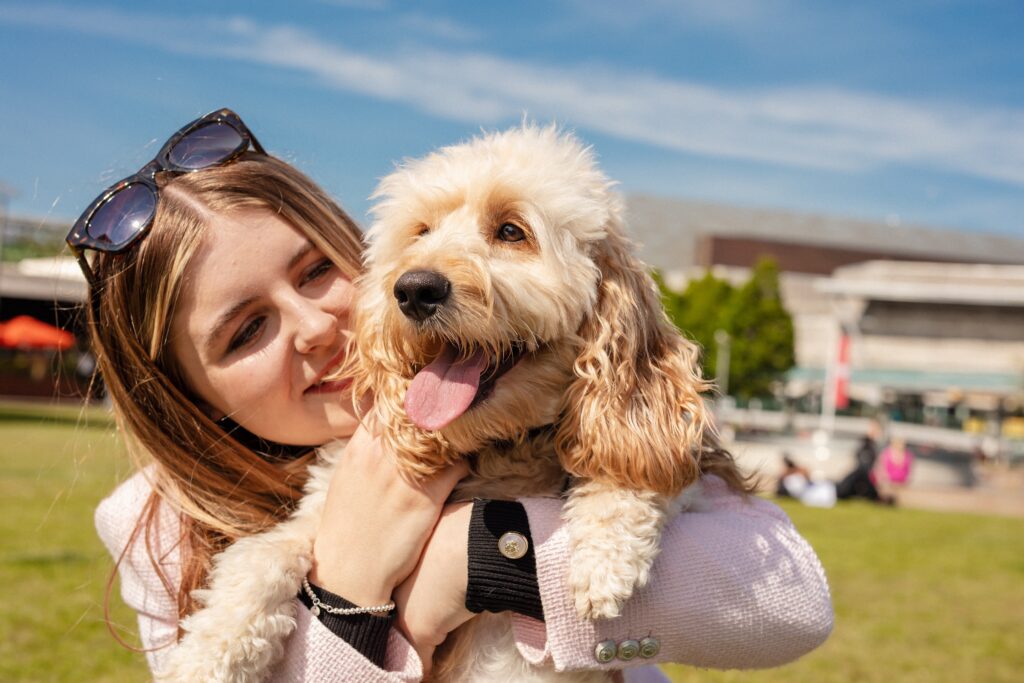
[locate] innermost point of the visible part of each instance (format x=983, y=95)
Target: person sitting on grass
x=860, y=482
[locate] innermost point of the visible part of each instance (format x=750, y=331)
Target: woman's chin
x=339, y=419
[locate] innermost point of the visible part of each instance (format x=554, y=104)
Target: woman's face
x=263, y=316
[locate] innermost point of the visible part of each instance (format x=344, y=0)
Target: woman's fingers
x=432, y=600
x=376, y=518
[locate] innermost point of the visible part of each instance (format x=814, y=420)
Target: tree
x=762, y=333
x=753, y=315
x=698, y=312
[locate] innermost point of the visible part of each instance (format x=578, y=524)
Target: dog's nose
x=421, y=292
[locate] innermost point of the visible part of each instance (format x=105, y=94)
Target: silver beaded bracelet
x=319, y=606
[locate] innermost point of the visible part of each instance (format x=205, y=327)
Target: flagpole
x=828, y=390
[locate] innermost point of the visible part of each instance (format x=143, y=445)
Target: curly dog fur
x=596, y=362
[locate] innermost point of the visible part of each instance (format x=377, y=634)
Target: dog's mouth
x=456, y=381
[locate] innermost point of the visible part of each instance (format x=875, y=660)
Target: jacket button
x=605, y=651
x=649, y=647
x=628, y=649
x=513, y=545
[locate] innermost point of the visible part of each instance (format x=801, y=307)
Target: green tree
x=698, y=312
x=671, y=300
x=760, y=328
x=704, y=306
x=762, y=333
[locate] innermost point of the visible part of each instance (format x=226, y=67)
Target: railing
x=939, y=437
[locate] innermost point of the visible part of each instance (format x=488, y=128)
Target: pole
x=724, y=346
x=828, y=390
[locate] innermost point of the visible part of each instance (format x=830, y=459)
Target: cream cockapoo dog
x=502, y=314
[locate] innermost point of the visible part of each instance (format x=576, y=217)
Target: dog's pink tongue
x=443, y=390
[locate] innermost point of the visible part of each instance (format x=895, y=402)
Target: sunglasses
x=124, y=212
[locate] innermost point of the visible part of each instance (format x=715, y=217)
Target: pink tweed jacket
x=735, y=587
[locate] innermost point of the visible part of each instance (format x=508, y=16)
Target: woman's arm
x=735, y=587
x=312, y=651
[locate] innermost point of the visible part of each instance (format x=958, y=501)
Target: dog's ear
x=633, y=415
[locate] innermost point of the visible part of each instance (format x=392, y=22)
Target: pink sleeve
x=313, y=652
x=735, y=587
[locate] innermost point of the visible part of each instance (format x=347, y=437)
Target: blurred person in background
x=897, y=459
x=860, y=482
x=793, y=479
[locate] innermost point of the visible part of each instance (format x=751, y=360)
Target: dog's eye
x=509, y=232
x=422, y=230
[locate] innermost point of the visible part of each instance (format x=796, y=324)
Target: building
x=933, y=338
x=935, y=318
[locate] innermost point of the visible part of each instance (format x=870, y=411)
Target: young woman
x=220, y=289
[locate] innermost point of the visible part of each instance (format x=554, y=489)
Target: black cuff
x=498, y=583
x=367, y=633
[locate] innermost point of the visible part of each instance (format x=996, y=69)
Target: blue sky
x=909, y=111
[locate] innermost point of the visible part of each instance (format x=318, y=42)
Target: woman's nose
x=315, y=327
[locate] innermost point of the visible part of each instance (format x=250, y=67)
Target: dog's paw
x=590, y=605
x=600, y=590
x=614, y=536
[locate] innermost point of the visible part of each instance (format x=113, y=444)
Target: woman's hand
x=375, y=522
x=432, y=601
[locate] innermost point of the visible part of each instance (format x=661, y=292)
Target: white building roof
x=960, y=283
x=55, y=278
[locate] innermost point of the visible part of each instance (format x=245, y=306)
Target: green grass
x=919, y=596
x=55, y=466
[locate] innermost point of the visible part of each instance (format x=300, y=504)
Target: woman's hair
x=220, y=489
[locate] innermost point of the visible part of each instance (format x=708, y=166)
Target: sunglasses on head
x=123, y=213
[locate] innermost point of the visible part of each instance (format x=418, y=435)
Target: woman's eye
x=321, y=268
x=245, y=335
x=510, y=232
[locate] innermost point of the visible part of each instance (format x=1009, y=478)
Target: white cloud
x=816, y=127
x=439, y=27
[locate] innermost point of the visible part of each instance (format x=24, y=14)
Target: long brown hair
x=219, y=489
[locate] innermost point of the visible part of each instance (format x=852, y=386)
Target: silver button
x=513, y=545
x=628, y=649
x=605, y=651
x=649, y=647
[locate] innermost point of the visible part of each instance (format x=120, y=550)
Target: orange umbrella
x=25, y=332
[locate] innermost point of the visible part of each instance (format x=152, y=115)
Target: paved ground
x=939, y=481
x=982, y=499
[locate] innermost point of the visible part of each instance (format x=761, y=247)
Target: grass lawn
x=919, y=596
x=55, y=466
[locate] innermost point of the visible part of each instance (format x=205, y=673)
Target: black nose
x=420, y=292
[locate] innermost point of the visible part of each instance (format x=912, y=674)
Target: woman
x=897, y=461
x=219, y=300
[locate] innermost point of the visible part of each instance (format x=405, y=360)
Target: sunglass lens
x=123, y=216
x=206, y=146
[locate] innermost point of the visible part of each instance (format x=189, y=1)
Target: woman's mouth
x=330, y=386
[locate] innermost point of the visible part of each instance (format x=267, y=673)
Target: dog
x=504, y=317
